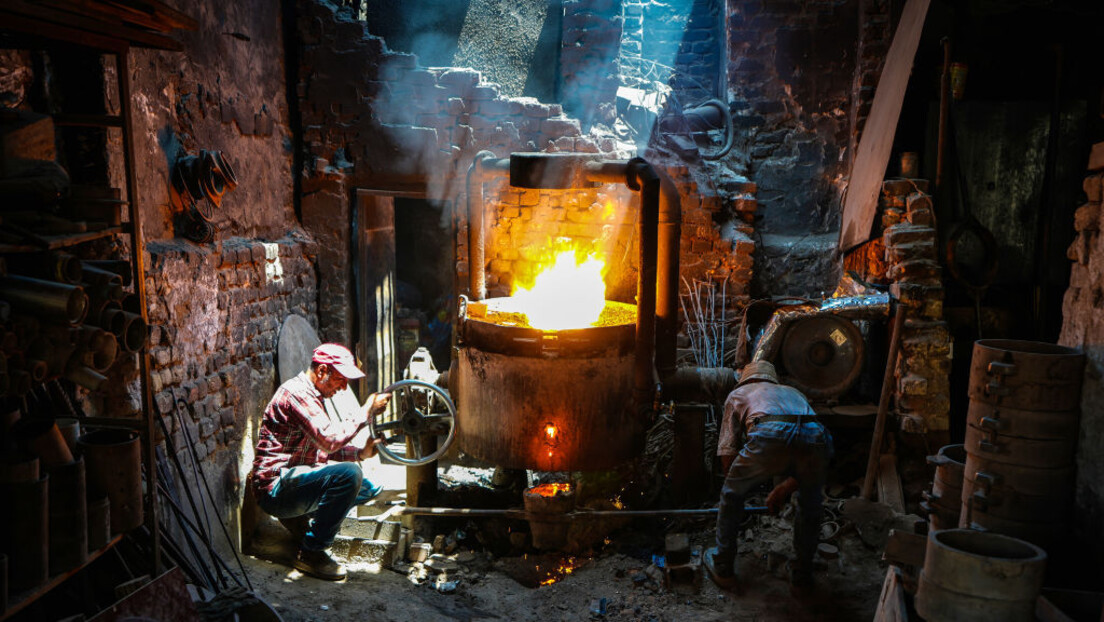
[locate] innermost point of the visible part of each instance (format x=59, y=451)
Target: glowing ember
x=568, y=294
x=566, y=567
x=551, y=490
x=550, y=431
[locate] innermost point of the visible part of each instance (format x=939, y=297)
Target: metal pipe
x=118, y=266
x=573, y=515
x=58, y=267
x=642, y=177
x=45, y=299
x=669, y=228
x=483, y=166
x=135, y=332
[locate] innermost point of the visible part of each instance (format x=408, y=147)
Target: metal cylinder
x=68, y=517
x=1026, y=375
x=547, y=400
x=970, y=575
x=548, y=505
x=45, y=299
x=114, y=467
x=944, y=502
x=98, y=522
x=24, y=533
x=42, y=438
x=1021, y=438
x=135, y=332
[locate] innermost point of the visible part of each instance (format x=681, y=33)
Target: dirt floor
x=621, y=579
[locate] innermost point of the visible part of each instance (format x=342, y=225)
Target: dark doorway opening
x=425, y=262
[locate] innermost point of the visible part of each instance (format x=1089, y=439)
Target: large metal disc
x=822, y=356
x=294, y=346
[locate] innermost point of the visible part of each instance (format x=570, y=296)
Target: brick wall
x=592, y=31
x=397, y=126
x=1082, y=328
x=789, y=78
x=923, y=370
x=215, y=315
x=685, y=40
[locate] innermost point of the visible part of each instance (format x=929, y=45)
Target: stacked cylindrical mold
x=64, y=317
x=969, y=576
x=944, y=503
x=1021, y=436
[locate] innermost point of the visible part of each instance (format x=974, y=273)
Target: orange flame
x=551, y=490
x=566, y=294
x=566, y=567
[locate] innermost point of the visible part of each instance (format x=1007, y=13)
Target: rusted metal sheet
x=1026, y=375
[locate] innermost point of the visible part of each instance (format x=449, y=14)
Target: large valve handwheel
x=417, y=410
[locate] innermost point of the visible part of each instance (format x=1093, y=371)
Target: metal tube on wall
x=642, y=177
x=483, y=166
x=118, y=266
x=669, y=229
x=45, y=299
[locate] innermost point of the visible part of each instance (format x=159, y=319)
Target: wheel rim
x=416, y=409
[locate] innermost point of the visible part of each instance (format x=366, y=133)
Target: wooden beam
x=48, y=17
x=889, y=483
x=861, y=204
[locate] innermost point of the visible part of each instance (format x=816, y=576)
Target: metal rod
x=883, y=405
x=577, y=514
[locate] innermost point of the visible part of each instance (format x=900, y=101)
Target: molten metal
x=567, y=294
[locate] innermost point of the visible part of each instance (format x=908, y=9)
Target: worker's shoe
x=720, y=572
x=319, y=564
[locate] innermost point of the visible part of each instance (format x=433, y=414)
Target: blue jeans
x=326, y=493
x=801, y=450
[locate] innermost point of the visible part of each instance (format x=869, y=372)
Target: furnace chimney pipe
x=484, y=166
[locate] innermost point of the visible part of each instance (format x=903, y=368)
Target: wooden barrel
x=114, y=468
x=23, y=534
x=68, y=517
x=974, y=576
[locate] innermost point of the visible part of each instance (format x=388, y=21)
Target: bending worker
x=305, y=467
x=782, y=437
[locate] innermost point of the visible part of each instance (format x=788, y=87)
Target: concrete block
x=419, y=551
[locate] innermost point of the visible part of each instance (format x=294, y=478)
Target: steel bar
x=577, y=514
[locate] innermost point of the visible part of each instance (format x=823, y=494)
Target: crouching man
x=305, y=467
x=781, y=437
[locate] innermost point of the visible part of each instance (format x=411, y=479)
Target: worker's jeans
x=801, y=450
x=325, y=492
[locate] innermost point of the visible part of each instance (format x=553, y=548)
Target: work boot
x=720, y=571
x=319, y=564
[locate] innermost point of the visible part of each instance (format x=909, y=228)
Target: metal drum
x=113, y=460
x=547, y=400
x=1021, y=438
x=972, y=576
x=944, y=503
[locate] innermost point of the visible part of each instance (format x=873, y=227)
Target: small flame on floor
x=566, y=567
x=551, y=490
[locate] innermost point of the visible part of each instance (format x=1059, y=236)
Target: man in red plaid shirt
x=305, y=465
